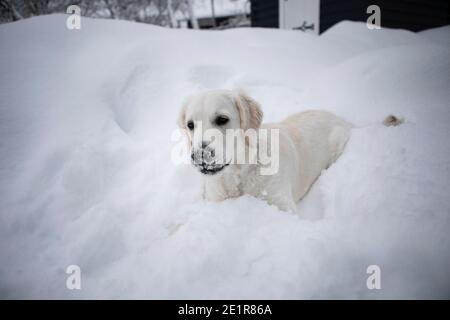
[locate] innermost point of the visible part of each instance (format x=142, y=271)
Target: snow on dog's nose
x=203, y=156
x=204, y=159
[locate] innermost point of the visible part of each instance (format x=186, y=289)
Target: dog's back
x=316, y=139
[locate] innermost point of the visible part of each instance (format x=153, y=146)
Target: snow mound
x=86, y=176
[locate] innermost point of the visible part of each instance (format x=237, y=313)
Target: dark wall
x=264, y=13
x=413, y=15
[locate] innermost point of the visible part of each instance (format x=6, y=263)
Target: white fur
x=309, y=142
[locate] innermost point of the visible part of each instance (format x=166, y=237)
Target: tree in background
x=160, y=12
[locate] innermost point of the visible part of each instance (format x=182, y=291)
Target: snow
x=86, y=176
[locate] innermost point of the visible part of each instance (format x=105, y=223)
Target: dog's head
x=208, y=117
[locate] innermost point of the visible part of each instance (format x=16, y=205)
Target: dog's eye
x=221, y=120
x=190, y=125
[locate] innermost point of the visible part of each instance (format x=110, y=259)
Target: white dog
x=305, y=144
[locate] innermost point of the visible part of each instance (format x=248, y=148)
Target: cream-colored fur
x=309, y=142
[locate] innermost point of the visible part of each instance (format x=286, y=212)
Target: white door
x=300, y=15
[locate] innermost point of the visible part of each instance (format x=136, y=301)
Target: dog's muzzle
x=204, y=160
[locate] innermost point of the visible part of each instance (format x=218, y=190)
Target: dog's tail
x=389, y=121
x=392, y=120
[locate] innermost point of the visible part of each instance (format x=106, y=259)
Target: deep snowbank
x=85, y=173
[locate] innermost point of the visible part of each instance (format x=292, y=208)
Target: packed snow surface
x=86, y=176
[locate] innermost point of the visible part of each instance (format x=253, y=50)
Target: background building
x=316, y=16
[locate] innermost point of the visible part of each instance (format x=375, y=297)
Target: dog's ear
x=249, y=111
x=182, y=115
x=182, y=120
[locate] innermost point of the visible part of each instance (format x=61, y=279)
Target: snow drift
x=86, y=124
